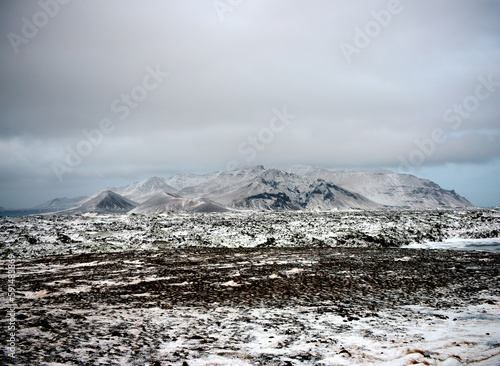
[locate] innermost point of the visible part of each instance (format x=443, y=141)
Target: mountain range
x=286, y=188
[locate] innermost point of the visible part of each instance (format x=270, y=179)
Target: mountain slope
x=60, y=203
x=325, y=195
x=142, y=191
x=387, y=188
x=165, y=202
x=184, y=180
x=106, y=202
x=257, y=188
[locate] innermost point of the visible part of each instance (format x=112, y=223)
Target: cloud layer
x=229, y=66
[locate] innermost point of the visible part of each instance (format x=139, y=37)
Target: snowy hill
x=142, y=191
x=104, y=202
x=184, y=180
x=60, y=203
x=257, y=188
x=325, y=195
x=166, y=202
x=386, y=187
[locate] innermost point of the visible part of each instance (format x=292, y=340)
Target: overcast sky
x=96, y=94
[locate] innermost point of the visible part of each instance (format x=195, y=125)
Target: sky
x=96, y=94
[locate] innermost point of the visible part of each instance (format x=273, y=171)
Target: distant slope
x=184, y=180
x=142, y=191
x=165, y=202
x=60, y=203
x=106, y=202
x=325, y=195
x=257, y=188
x=387, y=188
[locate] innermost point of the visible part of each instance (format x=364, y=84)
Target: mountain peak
x=166, y=202
x=105, y=202
x=297, y=187
x=141, y=191
x=155, y=180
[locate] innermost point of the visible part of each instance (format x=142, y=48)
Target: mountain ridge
x=293, y=187
x=164, y=202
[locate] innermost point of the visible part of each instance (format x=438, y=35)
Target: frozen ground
x=259, y=306
x=37, y=236
x=486, y=244
x=133, y=298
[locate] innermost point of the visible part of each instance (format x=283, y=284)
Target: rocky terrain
x=258, y=306
x=38, y=236
x=251, y=288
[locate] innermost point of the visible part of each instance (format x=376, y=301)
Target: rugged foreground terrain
x=258, y=306
x=250, y=288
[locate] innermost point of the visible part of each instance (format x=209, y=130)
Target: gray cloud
x=227, y=76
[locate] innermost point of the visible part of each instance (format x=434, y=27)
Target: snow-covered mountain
x=166, y=202
x=325, y=195
x=61, y=203
x=106, y=202
x=387, y=188
x=257, y=188
x=306, y=187
x=286, y=188
x=142, y=191
x=183, y=180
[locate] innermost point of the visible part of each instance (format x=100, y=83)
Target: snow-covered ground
x=486, y=244
x=259, y=288
x=36, y=236
x=275, y=336
x=302, y=336
x=258, y=306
